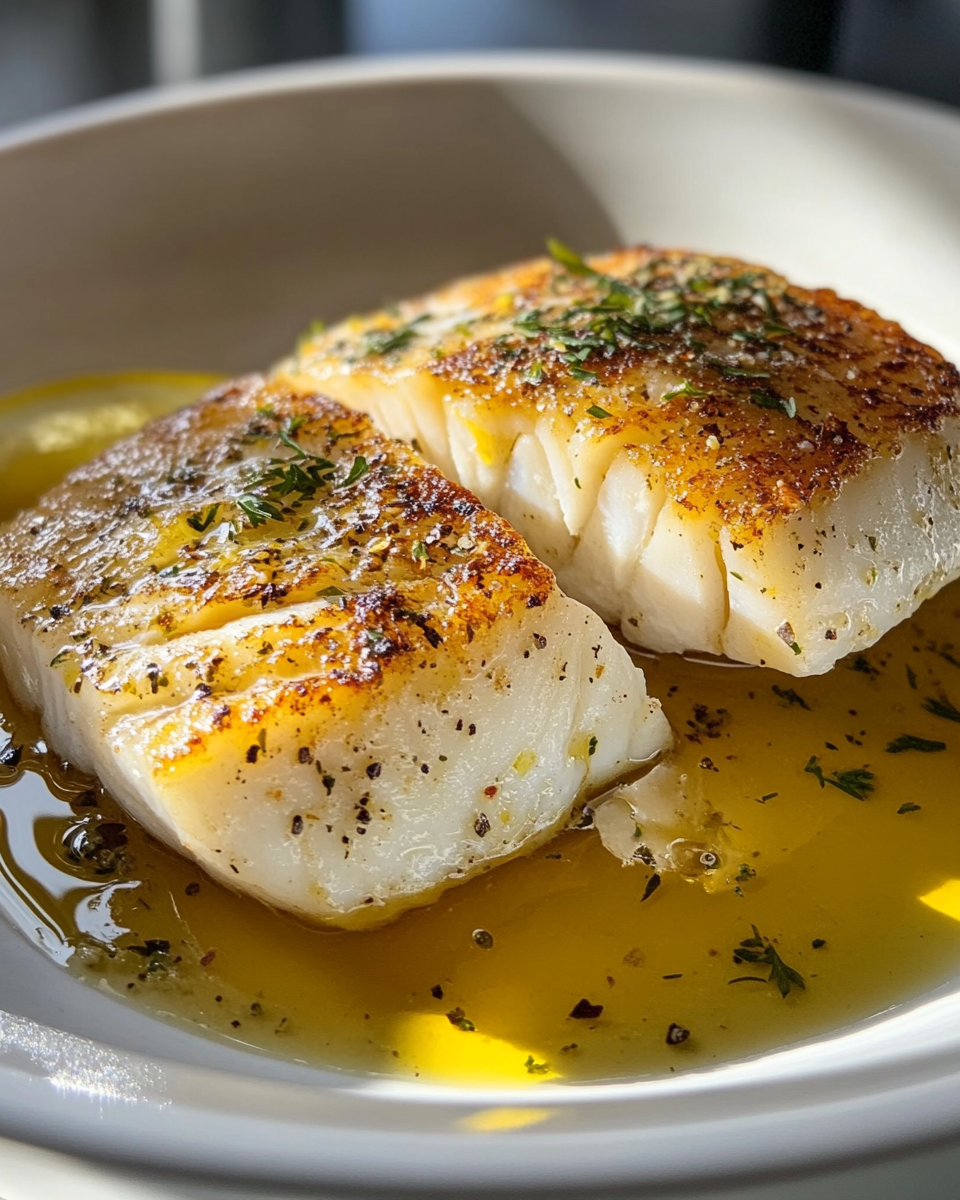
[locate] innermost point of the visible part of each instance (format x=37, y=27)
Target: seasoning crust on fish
x=302, y=656
x=712, y=458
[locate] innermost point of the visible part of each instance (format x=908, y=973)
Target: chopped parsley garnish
x=386, y=341
x=907, y=808
x=536, y=1068
x=419, y=552
x=534, y=373
x=746, y=872
x=592, y=746
x=565, y=257
x=202, y=523
x=377, y=641
x=584, y=375
x=595, y=410
x=458, y=1018
x=258, y=510
x=758, y=949
x=684, y=389
x=856, y=782
x=331, y=592
x=942, y=708
x=763, y=398
x=907, y=741
x=357, y=471
x=311, y=331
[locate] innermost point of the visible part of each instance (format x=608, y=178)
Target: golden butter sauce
x=860, y=897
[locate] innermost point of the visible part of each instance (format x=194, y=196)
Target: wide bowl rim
x=687, y=1129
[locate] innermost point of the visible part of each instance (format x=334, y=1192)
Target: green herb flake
x=570, y=259
x=762, y=398
x=332, y=593
x=907, y=808
x=586, y=376
x=856, y=782
x=357, y=471
x=592, y=746
x=535, y=1068
x=258, y=510
x=790, y=697
x=907, y=741
x=686, y=388
x=745, y=872
x=942, y=708
x=758, y=949
x=595, y=410
x=458, y=1018
x=419, y=552
x=534, y=373
x=737, y=576
x=202, y=523
x=312, y=330
x=387, y=341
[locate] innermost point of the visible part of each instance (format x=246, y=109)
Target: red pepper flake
x=676, y=1034
x=436, y=992
x=208, y=958
x=304, y=755
x=296, y=827
x=481, y=826
x=583, y=1010
x=373, y=770
x=252, y=752
x=192, y=888
x=491, y=790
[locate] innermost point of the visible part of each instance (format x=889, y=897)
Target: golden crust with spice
x=750, y=396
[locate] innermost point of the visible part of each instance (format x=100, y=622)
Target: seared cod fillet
x=309, y=661
x=710, y=457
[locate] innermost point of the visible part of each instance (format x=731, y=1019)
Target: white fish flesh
x=301, y=656
x=713, y=459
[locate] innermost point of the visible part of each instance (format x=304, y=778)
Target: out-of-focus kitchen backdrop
x=56, y=53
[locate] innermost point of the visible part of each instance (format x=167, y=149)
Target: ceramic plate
x=199, y=229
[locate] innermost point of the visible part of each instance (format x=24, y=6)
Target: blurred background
x=56, y=53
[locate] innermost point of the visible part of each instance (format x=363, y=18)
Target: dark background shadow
x=56, y=53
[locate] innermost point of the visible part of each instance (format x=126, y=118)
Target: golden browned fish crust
x=406, y=558
x=750, y=397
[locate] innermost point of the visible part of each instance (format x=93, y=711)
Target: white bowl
x=203, y=228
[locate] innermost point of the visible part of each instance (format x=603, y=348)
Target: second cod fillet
x=713, y=459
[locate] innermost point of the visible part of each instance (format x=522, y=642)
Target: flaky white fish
x=713, y=459
x=304, y=658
